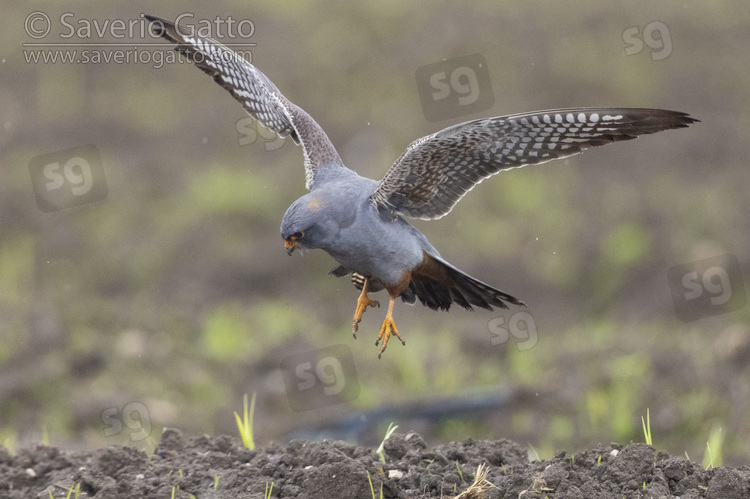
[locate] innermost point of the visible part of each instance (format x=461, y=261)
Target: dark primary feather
x=436, y=171
x=257, y=94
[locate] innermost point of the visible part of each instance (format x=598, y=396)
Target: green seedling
x=388, y=433
x=216, y=481
x=372, y=490
x=245, y=424
x=647, y=428
x=714, y=455
x=459, y=472
x=708, y=457
x=70, y=491
x=78, y=491
x=269, y=490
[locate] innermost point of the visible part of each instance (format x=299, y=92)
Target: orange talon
x=362, y=303
x=388, y=328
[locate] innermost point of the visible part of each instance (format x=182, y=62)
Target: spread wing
x=436, y=171
x=257, y=94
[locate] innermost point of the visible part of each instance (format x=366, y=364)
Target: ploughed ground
x=221, y=467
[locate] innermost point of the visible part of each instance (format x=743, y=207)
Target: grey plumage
x=359, y=221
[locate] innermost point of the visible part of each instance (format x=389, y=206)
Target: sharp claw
x=385, y=343
x=386, y=331
x=362, y=303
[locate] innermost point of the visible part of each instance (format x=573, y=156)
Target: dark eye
x=296, y=236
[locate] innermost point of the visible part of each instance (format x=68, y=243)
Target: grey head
x=315, y=220
x=310, y=223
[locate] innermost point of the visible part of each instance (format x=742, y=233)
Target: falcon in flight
x=359, y=221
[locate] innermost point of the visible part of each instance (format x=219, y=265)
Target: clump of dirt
x=221, y=468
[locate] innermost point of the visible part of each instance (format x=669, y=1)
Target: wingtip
x=689, y=120
x=685, y=119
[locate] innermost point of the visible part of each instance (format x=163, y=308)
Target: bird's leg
x=362, y=303
x=388, y=328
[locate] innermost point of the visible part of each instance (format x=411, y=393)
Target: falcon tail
x=438, y=284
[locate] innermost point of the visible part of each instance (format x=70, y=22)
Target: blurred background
x=144, y=284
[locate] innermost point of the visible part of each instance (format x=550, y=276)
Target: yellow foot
x=362, y=303
x=388, y=328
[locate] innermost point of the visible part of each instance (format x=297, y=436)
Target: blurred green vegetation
x=175, y=290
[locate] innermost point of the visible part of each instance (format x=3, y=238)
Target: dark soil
x=336, y=469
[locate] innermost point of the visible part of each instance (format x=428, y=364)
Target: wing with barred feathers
x=257, y=94
x=436, y=171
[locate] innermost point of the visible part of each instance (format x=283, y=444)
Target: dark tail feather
x=443, y=284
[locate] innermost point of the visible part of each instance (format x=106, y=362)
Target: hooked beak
x=291, y=246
